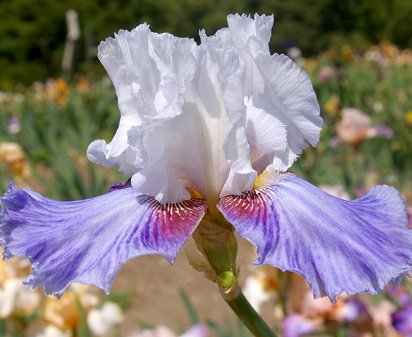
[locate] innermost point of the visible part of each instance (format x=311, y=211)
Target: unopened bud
x=219, y=246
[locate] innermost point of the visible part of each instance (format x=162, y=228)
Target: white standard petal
x=266, y=136
x=205, y=147
x=150, y=72
x=249, y=37
x=282, y=104
x=237, y=151
x=255, y=32
x=288, y=96
x=205, y=117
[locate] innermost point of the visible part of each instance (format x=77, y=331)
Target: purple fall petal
x=337, y=245
x=87, y=241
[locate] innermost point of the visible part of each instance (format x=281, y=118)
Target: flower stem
x=218, y=244
x=242, y=308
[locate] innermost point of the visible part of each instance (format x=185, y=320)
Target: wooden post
x=73, y=35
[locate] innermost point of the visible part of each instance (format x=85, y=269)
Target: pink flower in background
x=382, y=314
x=355, y=127
x=318, y=307
x=14, y=125
x=325, y=73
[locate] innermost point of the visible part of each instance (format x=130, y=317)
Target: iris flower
x=209, y=131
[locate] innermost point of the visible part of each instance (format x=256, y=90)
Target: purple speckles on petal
x=87, y=241
x=337, y=245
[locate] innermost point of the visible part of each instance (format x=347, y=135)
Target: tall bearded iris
x=209, y=131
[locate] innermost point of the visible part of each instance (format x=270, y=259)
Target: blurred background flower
x=355, y=127
x=104, y=321
x=14, y=160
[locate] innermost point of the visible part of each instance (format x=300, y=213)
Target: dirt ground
x=154, y=286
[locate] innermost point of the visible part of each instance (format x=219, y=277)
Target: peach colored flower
x=355, y=127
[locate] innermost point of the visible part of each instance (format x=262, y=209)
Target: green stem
x=242, y=308
x=218, y=245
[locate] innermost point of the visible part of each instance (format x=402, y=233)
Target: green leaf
x=82, y=328
x=193, y=317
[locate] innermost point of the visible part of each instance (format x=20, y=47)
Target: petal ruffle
x=289, y=97
x=337, y=245
x=276, y=88
x=205, y=146
x=88, y=241
x=251, y=33
x=150, y=72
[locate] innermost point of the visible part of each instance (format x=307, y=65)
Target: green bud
x=226, y=280
x=218, y=245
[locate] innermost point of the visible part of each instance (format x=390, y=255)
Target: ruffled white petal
x=150, y=72
x=205, y=116
x=251, y=33
x=266, y=135
x=274, y=86
x=288, y=96
x=241, y=175
x=205, y=146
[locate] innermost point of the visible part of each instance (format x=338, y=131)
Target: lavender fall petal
x=88, y=241
x=337, y=245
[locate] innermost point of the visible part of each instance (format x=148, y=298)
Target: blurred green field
x=383, y=91
x=58, y=121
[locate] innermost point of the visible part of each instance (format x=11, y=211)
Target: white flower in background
x=88, y=296
x=16, y=299
x=160, y=331
x=53, y=331
x=255, y=292
x=199, y=330
x=103, y=321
